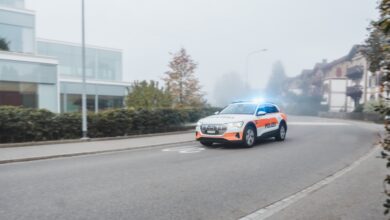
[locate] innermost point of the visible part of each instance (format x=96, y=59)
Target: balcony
x=355, y=72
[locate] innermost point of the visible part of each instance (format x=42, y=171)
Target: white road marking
x=185, y=149
x=319, y=123
x=278, y=206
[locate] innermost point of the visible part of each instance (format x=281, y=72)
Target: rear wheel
x=249, y=136
x=206, y=143
x=282, y=131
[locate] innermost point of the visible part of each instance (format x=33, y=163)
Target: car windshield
x=246, y=109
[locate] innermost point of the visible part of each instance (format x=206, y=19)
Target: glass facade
x=19, y=94
x=99, y=97
x=101, y=64
x=12, y=3
x=109, y=102
x=19, y=71
x=31, y=81
x=72, y=103
x=19, y=30
x=95, y=103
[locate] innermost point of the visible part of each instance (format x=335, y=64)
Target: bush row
x=23, y=124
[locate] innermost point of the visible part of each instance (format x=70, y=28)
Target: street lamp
x=84, y=92
x=247, y=62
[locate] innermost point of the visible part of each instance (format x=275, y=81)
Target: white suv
x=242, y=122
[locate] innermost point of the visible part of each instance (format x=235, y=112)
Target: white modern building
x=105, y=88
x=47, y=74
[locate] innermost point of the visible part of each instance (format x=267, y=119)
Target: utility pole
x=84, y=94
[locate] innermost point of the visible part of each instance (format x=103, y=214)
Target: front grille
x=213, y=129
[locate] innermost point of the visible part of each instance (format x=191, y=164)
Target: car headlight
x=236, y=124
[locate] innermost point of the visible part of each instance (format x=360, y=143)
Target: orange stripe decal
x=261, y=122
x=232, y=136
x=273, y=121
x=228, y=136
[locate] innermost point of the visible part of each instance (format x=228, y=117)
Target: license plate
x=211, y=132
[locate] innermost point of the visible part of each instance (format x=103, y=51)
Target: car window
x=274, y=109
x=261, y=108
x=271, y=109
x=246, y=109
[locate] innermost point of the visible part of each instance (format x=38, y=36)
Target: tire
x=206, y=143
x=250, y=136
x=282, y=131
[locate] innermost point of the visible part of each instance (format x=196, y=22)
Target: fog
x=232, y=88
x=218, y=34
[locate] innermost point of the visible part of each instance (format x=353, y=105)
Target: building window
x=72, y=103
x=28, y=72
x=13, y=3
x=110, y=102
x=19, y=94
x=100, y=64
x=21, y=39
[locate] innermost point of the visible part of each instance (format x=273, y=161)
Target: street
x=182, y=181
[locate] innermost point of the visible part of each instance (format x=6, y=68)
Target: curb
x=70, y=141
x=88, y=153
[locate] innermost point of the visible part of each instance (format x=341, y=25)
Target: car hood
x=222, y=119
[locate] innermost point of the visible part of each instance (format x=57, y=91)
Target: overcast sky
x=218, y=34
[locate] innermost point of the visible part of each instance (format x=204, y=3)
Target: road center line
x=278, y=206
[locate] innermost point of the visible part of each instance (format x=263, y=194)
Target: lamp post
x=247, y=62
x=84, y=95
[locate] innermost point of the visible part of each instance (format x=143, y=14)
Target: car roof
x=257, y=103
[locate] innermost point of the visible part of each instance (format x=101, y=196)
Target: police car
x=243, y=122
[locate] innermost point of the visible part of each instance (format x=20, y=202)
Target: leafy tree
x=4, y=45
x=275, y=87
x=378, y=50
x=148, y=95
x=373, y=50
x=181, y=82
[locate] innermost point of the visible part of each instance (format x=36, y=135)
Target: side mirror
x=261, y=113
x=216, y=113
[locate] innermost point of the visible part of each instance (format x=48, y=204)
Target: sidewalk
x=357, y=195
x=17, y=154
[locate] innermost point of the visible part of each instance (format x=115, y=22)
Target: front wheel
x=249, y=136
x=206, y=143
x=282, y=131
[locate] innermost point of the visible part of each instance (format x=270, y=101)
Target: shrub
x=19, y=124
x=371, y=106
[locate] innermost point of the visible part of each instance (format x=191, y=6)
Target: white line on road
x=319, y=123
x=278, y=206
x=185, y=149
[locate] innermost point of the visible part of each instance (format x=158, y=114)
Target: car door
x=273, y=114
x=262, y=120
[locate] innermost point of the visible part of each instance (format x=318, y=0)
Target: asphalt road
x=181, y=181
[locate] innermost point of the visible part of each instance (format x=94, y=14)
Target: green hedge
x=23, y=124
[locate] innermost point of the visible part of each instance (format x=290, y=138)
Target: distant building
x=346, y=82
x=47, y=74
x=343, y=83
